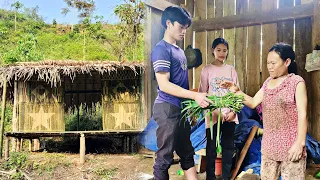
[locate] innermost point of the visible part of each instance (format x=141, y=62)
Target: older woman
x=284, y=108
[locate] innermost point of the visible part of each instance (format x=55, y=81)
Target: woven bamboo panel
x=40, y=107
x=121, y=104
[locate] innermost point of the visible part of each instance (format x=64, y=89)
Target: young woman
x=284, y=109
x=211, y=77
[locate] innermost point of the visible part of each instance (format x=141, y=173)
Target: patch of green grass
x=106, y=173
x=16, y=161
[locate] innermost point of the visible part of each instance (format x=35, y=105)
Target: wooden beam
x=254, y=18
x=159, y=4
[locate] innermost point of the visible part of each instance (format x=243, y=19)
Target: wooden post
x=18, y=145
x=21, y=144
x=4, y=93
x=6, y=150
x=15, y=123
x=82, y=148
x=30, y=145
x=36, y=144
x=315, y=75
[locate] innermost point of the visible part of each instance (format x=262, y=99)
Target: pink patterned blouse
x=210, y=79
x=280, y=118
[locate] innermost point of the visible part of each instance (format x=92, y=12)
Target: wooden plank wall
x=285, y=28
x=241, y=46
x=315, y=75
x=253, y=52
x=229, y=34
x=250, y=56
x=303, y=46
x=246, y=50
x=200, y=39
x=210, y=34
x=269, y=37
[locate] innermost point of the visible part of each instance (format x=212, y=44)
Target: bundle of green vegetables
x=230, y=100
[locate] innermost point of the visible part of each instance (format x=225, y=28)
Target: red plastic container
x=218, y=169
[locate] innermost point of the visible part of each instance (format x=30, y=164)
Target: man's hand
x=202, y=100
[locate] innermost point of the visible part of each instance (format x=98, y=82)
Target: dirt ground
x=58, y=166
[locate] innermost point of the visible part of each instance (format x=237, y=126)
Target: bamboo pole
x=4, y=92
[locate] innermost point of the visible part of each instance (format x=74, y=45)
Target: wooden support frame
x=254, y=18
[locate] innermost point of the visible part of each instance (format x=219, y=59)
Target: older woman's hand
x=295, y=152
x=230, y=85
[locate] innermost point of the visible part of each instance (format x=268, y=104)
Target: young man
x=170, y=66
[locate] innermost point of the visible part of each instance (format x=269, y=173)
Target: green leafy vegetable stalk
x=230, y=100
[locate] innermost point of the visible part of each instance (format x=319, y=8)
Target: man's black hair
x=176, y=13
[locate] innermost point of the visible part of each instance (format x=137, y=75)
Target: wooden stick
x=8, y=172
x=244, y=151
x=4, y=95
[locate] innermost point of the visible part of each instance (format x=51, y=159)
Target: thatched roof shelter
x=42, y=92
x=51, y=71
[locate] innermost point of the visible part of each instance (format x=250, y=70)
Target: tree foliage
x=131, y=15
x=35, y=40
